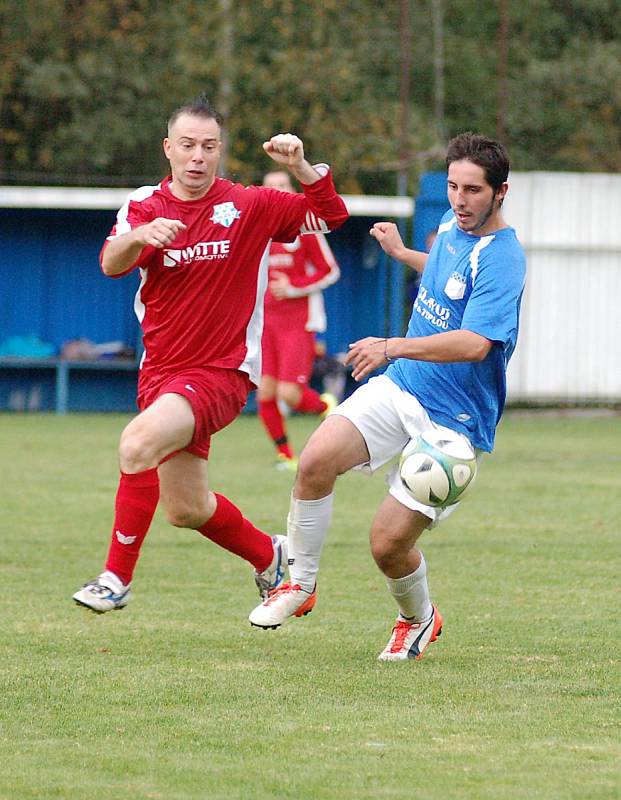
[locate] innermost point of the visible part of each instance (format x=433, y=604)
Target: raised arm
x=389, y=238
x=326, y=211
x=287, y=150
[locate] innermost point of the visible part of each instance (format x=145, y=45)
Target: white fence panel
x=570, y=338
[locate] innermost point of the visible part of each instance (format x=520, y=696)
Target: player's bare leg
x=334, y=448
x=189, y=503
x=394, y=534
x=164, y=427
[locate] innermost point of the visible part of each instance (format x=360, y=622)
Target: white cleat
x=105, y=593
x=273, y=576
x=287, y=601
x=410, y=639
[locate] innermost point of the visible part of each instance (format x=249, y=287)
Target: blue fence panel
x=52, y=285
x=431, y=205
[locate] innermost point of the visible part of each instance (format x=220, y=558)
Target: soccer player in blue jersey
x=448, y=371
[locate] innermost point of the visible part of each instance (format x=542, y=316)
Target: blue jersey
x=472, y=283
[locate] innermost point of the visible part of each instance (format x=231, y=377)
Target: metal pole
x=225, y=88
x=396, y=272
x=503, y=62
x=437, y=19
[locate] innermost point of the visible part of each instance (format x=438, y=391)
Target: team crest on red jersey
x=225, y=214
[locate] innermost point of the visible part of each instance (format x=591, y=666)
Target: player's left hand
x=286, y=149
x=365, y=356
x=279, y=285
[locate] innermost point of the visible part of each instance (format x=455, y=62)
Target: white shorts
x=388, y=417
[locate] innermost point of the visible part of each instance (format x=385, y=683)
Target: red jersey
x=310, y=266
x=200, y=301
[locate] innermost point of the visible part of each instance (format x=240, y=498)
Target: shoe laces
x=400, y=631
x=282, y=589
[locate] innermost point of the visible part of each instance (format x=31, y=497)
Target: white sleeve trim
x=322, y=169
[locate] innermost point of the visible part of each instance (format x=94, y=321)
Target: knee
x=316, y=470
x=290, y=393
x=389, y=547
x=265, y=394
x=385, y=554
x=136, y=451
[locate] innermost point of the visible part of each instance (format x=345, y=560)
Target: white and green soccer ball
x=437, y=467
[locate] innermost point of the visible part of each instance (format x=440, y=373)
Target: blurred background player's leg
x=287, y=368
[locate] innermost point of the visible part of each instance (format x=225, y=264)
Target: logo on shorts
x=225, y=214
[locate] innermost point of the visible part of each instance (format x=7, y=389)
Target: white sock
x=412, y=593
x=307, y=528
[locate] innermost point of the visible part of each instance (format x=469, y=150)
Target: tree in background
x=86, y=85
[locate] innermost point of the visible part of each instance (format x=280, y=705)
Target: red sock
x=136, y=501
x=275, y=426
x=310, y=402
x=232, y=531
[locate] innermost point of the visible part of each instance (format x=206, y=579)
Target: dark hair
x=488, y=154
x=201, y=106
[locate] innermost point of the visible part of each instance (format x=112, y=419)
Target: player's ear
x=166, y=147
x=502, y=193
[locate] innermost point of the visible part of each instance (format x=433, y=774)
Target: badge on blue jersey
x=455, y=286
x=225, y=214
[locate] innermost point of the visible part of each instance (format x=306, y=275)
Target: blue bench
x=44, y=384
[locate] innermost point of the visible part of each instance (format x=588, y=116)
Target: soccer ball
x=437, y=467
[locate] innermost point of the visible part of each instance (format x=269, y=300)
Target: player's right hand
x=160, y=232
x=388, y=236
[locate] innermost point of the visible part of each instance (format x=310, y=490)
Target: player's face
x=193, y=148
x=278, y=180
x=475, y=204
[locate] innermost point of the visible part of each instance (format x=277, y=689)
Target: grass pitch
x=178, y=698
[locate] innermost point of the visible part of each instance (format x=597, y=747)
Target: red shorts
x=216, y=395
x=288, y=354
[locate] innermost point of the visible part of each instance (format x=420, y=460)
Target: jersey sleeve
x=321, y=267
x=493, y=306
x=132, y=214
x=318, y=210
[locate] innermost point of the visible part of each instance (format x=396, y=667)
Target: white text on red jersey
x=201, y=251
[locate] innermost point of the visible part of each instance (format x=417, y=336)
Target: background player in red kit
x=294, y=312
x=199, y=243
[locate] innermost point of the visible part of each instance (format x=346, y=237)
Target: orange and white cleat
x=286, y=601
x=410, y=639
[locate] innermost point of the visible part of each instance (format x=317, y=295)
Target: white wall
x=570, y=337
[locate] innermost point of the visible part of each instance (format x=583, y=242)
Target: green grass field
x=178, y=698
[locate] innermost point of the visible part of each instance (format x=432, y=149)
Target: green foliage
x=86, y=87
x=177, y=697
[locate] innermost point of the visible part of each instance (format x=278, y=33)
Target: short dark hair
x=488, y=154
x=200, y=106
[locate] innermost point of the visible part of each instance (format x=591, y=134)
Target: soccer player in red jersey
x=200, y=243
x=294, y=312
